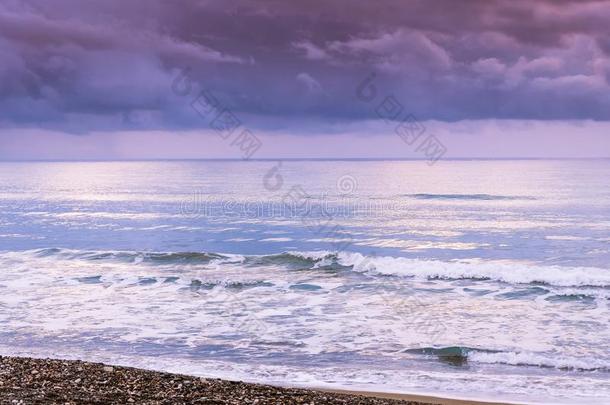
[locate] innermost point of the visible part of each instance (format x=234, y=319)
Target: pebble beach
x=37, y=381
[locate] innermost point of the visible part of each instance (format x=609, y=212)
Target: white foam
x=506, y=272
x=533, y=359
x=373, y=317
x=514, y=273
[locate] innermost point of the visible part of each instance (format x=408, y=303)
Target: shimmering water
x=486, y=279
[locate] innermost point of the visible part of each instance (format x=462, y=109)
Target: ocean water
x=475, y=279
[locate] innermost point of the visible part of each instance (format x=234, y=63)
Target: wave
x=512, y=273
x=136, y=257
x=460, y=355
x=291, y=260
x=538, y=360
x=184, y=283
x=230, y=285
x=455, y=355
x=482, y=197
x=323, y=261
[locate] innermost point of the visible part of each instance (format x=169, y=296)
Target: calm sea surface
x=481, y=279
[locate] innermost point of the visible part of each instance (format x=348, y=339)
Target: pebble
x=129, y=385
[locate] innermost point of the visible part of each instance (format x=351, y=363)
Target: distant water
x=484, y=279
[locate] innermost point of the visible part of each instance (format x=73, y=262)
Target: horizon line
x=298, y=159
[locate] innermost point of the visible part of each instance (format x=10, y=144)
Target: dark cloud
x=81, y=66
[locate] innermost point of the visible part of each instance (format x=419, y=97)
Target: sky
x=264, y=78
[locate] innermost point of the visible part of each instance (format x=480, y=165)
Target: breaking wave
x=512, y=273
x=460, y=355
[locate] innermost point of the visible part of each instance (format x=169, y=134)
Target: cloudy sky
x=124, y=79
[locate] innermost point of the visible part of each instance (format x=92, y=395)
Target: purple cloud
x=78, y=67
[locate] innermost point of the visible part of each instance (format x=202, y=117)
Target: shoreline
x=38, y=381
x=416, y=397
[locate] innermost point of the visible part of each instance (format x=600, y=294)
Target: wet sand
x=417, y=398
x=38, y=381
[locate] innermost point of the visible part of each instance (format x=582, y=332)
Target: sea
x=480, y=279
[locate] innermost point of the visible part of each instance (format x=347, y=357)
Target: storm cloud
x=78, y=66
